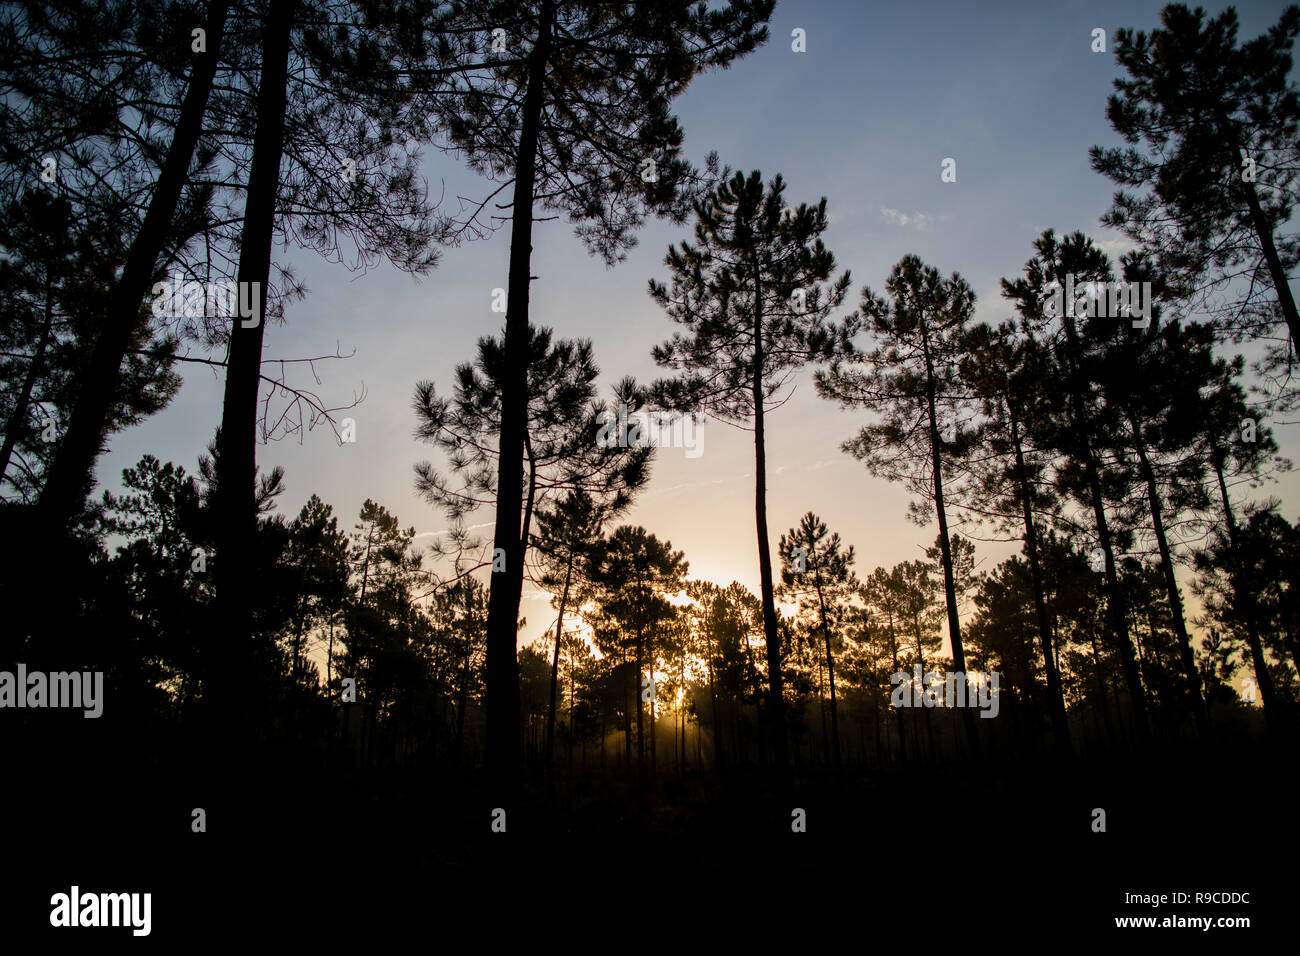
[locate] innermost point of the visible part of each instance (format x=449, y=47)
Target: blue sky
x=883, y=94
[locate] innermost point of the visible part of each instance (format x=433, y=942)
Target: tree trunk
x=1101, y=685
x=898, y=711
x=573, y=681
x=627, y=717
x=555, y=668
x=945, y=550
x=776, y=700
x=237, y=481
x=23, y=402
x=713, y=699
x=329, y=655
x=929, y=723
x=1275, y=269
x=821, y=706
x=654, y=709
x=462, y=703
x=758, y=709
x=70, y=473
x=875, y=721
x=830, y=674
x=1186, y=655
x=502, y=670
x=1115, y=603
x=1250, y=611
x=640, y=711
x=681, y=677
x=1060, y=724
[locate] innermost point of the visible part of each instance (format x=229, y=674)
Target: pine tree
x=1074, y=427
x=1005, y=368
x=912, y=379
x=631, y=574
x=566, y=531
x=753, y=297
x=575, y=114
x=1211, y=163
x=561, y=452
x=815, y=565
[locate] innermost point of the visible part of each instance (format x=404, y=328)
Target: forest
x=1121, y=431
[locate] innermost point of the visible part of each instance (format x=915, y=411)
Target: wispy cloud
x=473, y=527
x=920, y=221
x=1116, y=247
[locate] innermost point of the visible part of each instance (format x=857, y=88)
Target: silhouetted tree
x=814, y=564
x=912, y=379
x=751, y=294
x=1074, y=426
x=630, y=576
x=1212, y=133
x=565, y=533
x=70, y=473
x=576, y=115
x=1006, y=369
x=1151, y=375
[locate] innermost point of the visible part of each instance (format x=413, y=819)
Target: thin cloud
x=473, y=527
x=920, y=221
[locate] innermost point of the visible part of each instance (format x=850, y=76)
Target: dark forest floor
x=961, y=855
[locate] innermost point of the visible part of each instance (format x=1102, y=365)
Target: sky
x=883, y=94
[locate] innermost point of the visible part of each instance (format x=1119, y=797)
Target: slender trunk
x=875, y=721
x=237, y=465
x=627, y=716
x=1101, y=685
x=1250, y=610
x=821, y=706
x=1031, y=701
x=365, y=562
x=898, y=711
x=1115, y=604
x=640, y=711
x=1186, y=655
x=70, y=473
x=950, y=598
x=555, y=666
x=830, y=673
x=1060, y=724
x=677, y=739
x=329, y=655
x=929, y=721
x=24, y=399
x=502, y=671
x=681, y=678
x=1276, y=271
x=572, y=688
x=297, y=646
x=758, y=710
x=713, y=701
x=654, y=708
x=945, y=550
x=776, y=700
x=529, y=496
x=462, y=704
x=699, y=745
